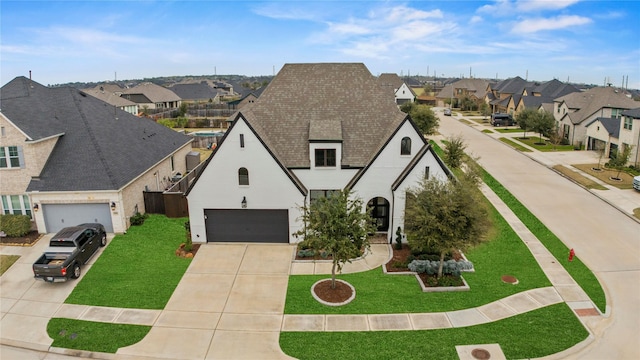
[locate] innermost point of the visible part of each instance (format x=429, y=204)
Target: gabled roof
x=535, y=101
x=101, y=147
x=324, y=94
x=421, y=153
x=554, y=89
x=155, y=93
x=512, y=86
x=634, y=113
x=109, y=93
x=390, y=81
x=198, y=91
x=610, y=124
x=476, y=86
x=589, y=102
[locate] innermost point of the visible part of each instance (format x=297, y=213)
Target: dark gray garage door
x=244, y=225
x=58, y=216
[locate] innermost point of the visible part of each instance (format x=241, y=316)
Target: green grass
x=487, y=131
x=508, y=130
x=514, y=144
x=531, y=335
x=6, y=261
x=379, y=293
x=138, y=269
x=534, y=142
x=94, y=336
x=577, y=269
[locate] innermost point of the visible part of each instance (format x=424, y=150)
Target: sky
x=583, y=41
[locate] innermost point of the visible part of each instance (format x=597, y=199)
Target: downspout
x=391, y=223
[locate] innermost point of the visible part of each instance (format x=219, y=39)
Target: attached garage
x=58, y=216
x=247, y=225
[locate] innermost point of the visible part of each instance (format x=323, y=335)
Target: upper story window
x=325, y=157
x=243, y=176
x=242, y=140
x=616, y=113
x=628, y=122
x=405, y=146
x=317, y=194
x=11, y=157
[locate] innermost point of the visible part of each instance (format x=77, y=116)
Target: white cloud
x=534, y=5
x=476, y=19
x=528, y=26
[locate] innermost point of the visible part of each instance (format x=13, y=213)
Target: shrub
x=201, y=123
x=15, y=225
x=138, y=219
x=306, y=253
x=188, y=244
x=170, y=123
x=450, y=267
x=399, y=239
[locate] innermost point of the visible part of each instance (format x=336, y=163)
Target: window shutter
x=21, y=157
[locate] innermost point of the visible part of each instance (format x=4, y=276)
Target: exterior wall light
x=244, y=202
x=36, y=207
x=113, y=205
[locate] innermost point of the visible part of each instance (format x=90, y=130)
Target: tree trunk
x=441, y=264
x=333, y=275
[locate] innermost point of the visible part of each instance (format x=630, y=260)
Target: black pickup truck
x=70, y=248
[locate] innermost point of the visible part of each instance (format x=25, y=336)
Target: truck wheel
x=103, y=241
x=76, y=271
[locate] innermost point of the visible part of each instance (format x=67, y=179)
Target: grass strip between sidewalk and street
x=534, y=334
x=94, y=336
x=576, y=268
x=514, y=144
x=6, y=261
x=138, y=269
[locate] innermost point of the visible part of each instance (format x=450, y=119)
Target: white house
x=315, y=129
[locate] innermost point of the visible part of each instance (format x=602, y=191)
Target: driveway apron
x=228, y=305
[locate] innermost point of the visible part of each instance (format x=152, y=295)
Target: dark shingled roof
x=100, y=148
x=327, y=101
x=634, y=113
x=194, y=91
x=612, y=125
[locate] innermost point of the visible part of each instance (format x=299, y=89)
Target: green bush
x=138, y=219
x=170, y=123
x=15, y=225
x=399, y=239
x=450, y=267
x=306, y=253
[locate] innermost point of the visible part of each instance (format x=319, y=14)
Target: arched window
x=405, y=146
x=243, y=176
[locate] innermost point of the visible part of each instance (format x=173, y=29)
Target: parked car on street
x=447, y=112
x=68, y=250
x=498, y=119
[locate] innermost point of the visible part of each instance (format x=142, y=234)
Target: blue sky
x=68, y=41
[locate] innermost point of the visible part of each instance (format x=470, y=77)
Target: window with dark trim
x=241, y=140
x=325, y=157
x=243, y=176
x=405, y=146
x=317, y=194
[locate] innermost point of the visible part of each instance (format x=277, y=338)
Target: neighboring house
x=615, y=134
x=68, y=158
x=197, y=93
x=110, y=93
x=574, y=111
x=534, y=97
x=499, y=95
x=152, y=96
x=394, y=84
x=247, y=99
x=475, y=89
x=315, y=129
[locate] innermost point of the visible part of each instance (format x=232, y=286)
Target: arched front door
x=380, y=213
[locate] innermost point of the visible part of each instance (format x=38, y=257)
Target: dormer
x=325, y=144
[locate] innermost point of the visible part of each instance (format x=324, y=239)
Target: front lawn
x=514, y=144
x=94, y=336
x=534, y=334
x=138, y=269
x=606, y=174
x=545, y=146
x=380, y=293
x=506, y=130
x=578, y=178
x=6, y=261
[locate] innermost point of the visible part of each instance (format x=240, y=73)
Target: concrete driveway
x=228, y=305
x=604, y=238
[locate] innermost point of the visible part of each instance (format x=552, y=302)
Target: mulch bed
x=27, y=240
x=341, y=293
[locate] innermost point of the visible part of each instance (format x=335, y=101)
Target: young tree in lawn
x=542, y=123
x=555, y=137
x=446, y=215
x=338, y=225
x=454, y=151
x=620, y=159
x=485, y=110
x=525, y=119
x=600, y=147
